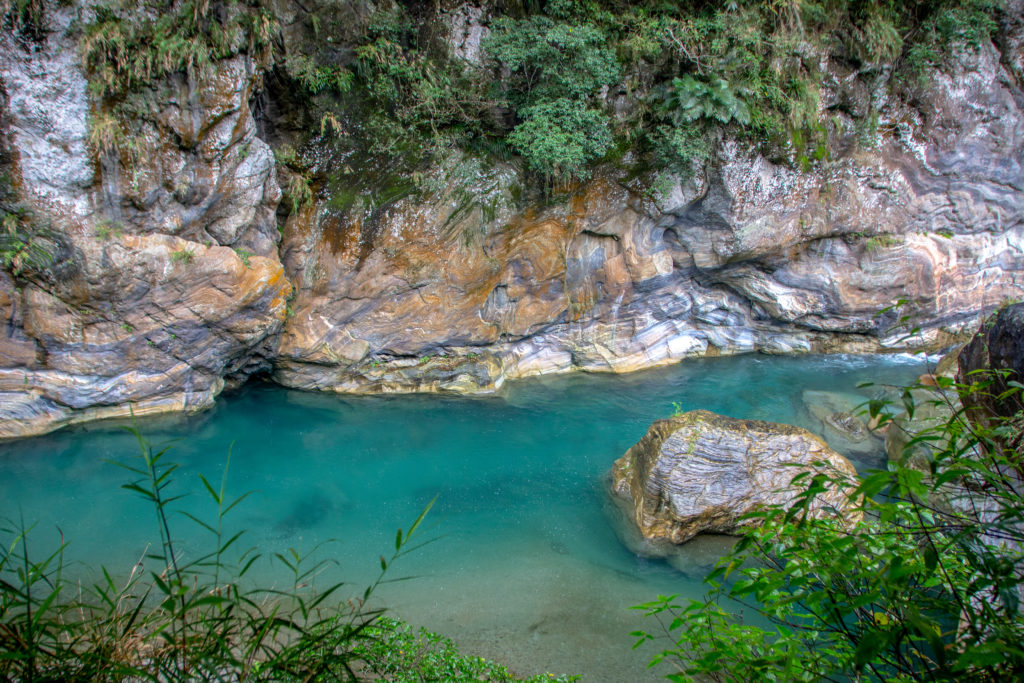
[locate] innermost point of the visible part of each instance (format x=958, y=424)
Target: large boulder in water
x=700, y=473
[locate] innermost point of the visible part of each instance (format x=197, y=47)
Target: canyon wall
x=176, y=276
x=471, y=288
x=169, y=283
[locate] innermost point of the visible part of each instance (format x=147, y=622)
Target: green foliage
x=877, y=242
x=27, y=246
x=395, y=652
x=951, y=26
x=560, y=138
x=550, y=59
x=107, y=229
x=24, y=17
x=926, y=585
x=124, y=49
x=689, y=100
x=174, y=617
x=678, y=148
x=244, y=255
x=556, y=70
x=414, y=80
x=380, y=80
x=184, y=256
x=298, y=191
x=318, y=78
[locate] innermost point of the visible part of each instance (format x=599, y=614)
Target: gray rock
x=837, y=421
x=700, y=473
x=48, y=111
x=155, y=309
x=746, y=255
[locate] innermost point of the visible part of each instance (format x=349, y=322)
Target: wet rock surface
x=700, y=473
x=989, y=367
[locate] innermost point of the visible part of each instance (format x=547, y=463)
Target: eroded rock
x=840, y=424
x=988, y=367
x=744, y=255
x=171, y=286
x=700, y=473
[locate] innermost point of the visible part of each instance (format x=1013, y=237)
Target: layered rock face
x=172, y=281
x=470, y=287
x=700, y=473
x=169, y=282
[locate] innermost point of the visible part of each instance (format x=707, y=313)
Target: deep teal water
x=527, y=567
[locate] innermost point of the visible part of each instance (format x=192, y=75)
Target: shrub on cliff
x=386, y=76
x=559, y=139
x=927, y=587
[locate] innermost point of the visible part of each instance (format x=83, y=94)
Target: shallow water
x=526, y=566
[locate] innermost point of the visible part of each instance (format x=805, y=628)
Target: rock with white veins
x=700, y=473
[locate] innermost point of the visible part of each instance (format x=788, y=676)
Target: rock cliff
x=171, y=284
x=471, y=287
x=184, y=271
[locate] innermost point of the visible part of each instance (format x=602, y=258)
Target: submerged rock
x=842, y=428
x=700, y=473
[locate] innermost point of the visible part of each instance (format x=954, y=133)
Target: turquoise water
x=527, y=567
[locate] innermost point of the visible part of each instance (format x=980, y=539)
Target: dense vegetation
x=563, y=85
x=926, y=586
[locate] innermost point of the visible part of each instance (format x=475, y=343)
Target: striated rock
x=167, y=335
x=171, y=287
x=744, y=255
x=700, y=472
x=463, y=279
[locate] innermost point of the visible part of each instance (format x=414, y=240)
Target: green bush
x=124, y=50
x=26, y=17
x=550, y=59
x=382, y=81
x=184, y=256
x=560, y=139
x=926, y=586
x=689, y=100
x=395, y=652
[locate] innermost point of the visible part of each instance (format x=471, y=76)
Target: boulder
x=991, y=360
x=700, y=473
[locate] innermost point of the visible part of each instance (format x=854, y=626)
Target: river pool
x=526, y=567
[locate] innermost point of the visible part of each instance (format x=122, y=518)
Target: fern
x=688, y=100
